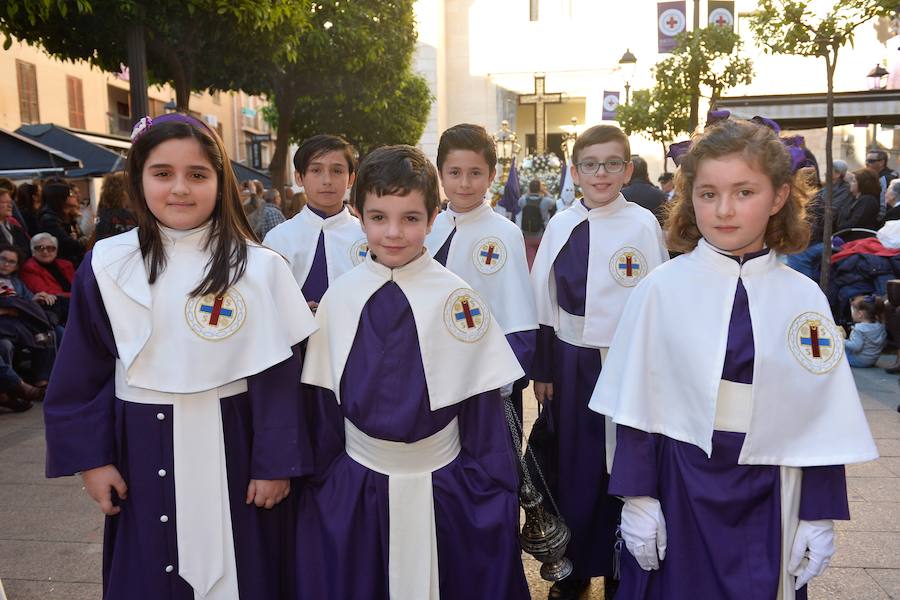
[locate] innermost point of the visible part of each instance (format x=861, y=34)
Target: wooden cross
x=539, y=99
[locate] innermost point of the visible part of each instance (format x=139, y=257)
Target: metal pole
x=137, y=73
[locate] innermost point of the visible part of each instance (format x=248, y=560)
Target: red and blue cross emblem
x=467, y=314
x=815, y=342
x=488, y=254
x=629, y=265
x=215, y=310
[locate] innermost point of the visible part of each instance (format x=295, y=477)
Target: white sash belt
x=571, y=329
x=734, y=407
x=412, y=548
x=205, y=543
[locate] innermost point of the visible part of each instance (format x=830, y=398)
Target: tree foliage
x=795, y=27
x=659, y=113
x=354, y=78
x=188, y=41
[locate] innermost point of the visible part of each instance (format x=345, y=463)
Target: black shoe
x=568, y=589
x=894, y=369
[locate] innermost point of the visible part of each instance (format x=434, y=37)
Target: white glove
x=506, y=390
x=818, y=537
x=644, y=530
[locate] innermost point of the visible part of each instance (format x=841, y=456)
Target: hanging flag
x=511, y=192
x=610, y=104
x=671, y=20
x=721, y=14
x=566, y=189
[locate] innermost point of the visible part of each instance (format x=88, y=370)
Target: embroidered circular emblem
x=359, y=251
x=489, y=255
x=466, y=315
x=815, y=342
x=216, y=317
x=627, y=266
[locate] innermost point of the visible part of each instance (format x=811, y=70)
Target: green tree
x=658, y=113
x=188, y=41
x=353, y=78
x=705, y=60
x=792, y=27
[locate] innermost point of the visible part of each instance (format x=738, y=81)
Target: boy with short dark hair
x=484, y=248
x=414, y=495
x=322, y=241
x=590, y=258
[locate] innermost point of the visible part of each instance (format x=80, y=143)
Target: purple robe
x=88, y=427
x=316, y=283
x=342, y=534
x=581, y=492
x=723, y=519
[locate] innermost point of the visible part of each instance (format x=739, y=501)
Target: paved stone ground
x=51, y=533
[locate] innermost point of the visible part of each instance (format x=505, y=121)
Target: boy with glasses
x=589, y=260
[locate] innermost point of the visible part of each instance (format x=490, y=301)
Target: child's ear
x=431, y=219
x=781, y=196
x=351, y=180
x=298, y=177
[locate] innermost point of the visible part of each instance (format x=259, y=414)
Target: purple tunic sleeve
x=484, y=435
x=281, y=447
x=523, y=346
x=542, y=365
x=634, y=471
x=79, y=408
x=317, y=280
x=823, y=494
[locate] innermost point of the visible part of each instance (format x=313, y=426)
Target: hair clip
x=140, y=127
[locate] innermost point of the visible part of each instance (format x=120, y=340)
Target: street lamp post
x=507, y=146
x=878, y=78
x=628, y=61
x=569, y=137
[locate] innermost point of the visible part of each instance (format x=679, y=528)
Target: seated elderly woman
x=26, y=338
x=44, y=272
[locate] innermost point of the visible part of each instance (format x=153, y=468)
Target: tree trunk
x=285, y=100
x=137, y=72
x=695, y=81
x=665, y=157
x=830, y=63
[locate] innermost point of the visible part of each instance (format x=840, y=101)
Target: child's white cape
x=664, y=368
x=163, y=336
x=488, y=252
x=459, y=360
x=626, y=244
x=296, y=239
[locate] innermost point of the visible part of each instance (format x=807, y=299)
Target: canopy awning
x=24, y=158
x=807, y=111
x=96, y=160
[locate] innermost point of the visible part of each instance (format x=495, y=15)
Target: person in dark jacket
x=892, y=200
x=28, y=200
x=642, y=192
x=59, y=218
x=113, y=215
x=11, y=231
x=862, y=210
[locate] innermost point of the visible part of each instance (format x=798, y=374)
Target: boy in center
x=590, y=258
x=414, y=495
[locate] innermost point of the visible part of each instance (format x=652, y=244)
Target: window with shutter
x=76, y=102
x=26, y=76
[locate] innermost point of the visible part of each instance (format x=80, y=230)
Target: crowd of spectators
x=46, y=228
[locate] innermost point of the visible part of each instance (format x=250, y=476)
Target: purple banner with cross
x=610, y=104
x=671, y=20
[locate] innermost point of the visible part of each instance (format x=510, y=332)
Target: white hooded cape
x=454, y=357
x=664, y=368
x=488, y=252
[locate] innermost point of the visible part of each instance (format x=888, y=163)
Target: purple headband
x=141, y=127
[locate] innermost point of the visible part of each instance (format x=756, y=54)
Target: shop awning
x=96, y=160
x=24, y=158
x=807, y=111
